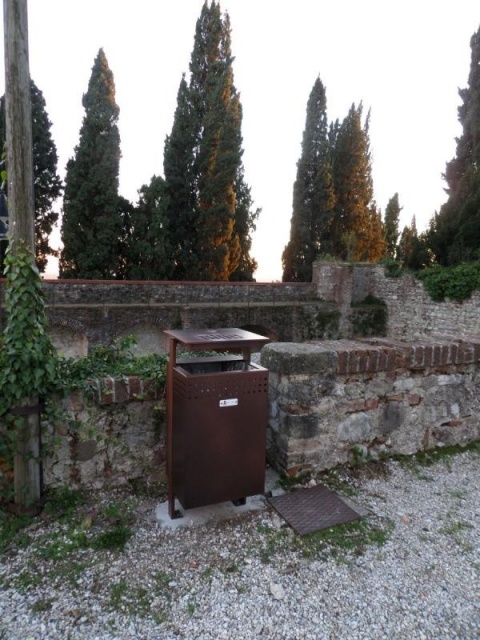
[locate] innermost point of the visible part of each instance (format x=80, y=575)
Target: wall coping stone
x=370, y=355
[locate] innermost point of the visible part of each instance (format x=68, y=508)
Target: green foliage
x=11, y=528
x=147, y=244
x=412, y=250
x=28, y=361
x=115, y=360
x=454, y=233
x=93, y=224
x=455, y=282
x=27, y=358
x=429, y=457
x=114, y=539
x=47, y=183
x=62, y=502
x=30, y=367
x=346, y=540
x=357, y=232
x=208, y=203
x=313, y=194
x=393, y=268
x=392, y=217
x=333, y=208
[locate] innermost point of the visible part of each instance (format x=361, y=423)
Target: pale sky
x=404, y=60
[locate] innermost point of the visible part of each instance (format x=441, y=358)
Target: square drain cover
x=314, y=508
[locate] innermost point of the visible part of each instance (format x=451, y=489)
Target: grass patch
x=455, y=530
x=56, y=546
x=133, y=600
x=12, y=531
x=61, y=503
x=113, y=539
x=342, y=541
x=430, y=457
x=289, y=482
x=273, y=541
x=43, y=604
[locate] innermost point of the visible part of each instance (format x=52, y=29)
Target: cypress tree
x=148, y=246
x=179, y=156
x=47, y=183
x=245, y=224
x=454, y=234
x=357, y=232
x=392, y=218
x=92, y=227
x=413, y=252
x=208, y=200
x=313, y=195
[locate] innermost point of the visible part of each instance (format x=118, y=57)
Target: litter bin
x=217, y=410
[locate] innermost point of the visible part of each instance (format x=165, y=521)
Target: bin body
x=217, y=410
x=219, y=430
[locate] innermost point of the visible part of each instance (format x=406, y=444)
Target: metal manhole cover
x=308, y=510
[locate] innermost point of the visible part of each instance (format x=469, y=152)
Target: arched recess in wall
x=261, y=330
x=68, y=337
x=149, y=339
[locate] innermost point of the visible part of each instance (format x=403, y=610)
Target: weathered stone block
x=291, y=358
x=392, y=417
x=355, y=428
x=301, y=425
x=85, y=450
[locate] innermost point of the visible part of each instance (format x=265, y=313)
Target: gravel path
x=254, y=578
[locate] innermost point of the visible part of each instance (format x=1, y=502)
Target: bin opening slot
x=196, y=368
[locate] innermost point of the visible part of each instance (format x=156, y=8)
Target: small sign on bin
x=229, y=402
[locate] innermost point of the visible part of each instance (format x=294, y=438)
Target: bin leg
x=172, y=356
x=240, y=502
x=172, y=512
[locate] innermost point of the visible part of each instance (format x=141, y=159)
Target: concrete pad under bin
x=221, y=511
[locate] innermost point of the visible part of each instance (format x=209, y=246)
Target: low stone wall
x=111, y=435
x=332, y=401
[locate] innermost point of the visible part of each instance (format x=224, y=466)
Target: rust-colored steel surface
x=217, y=418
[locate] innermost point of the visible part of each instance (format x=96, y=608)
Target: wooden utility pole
x=18, y=120
x=21, y=210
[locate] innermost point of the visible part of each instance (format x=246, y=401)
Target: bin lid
x=217, y=338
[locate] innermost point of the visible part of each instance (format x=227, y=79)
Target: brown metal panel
x=219, y=435
x=217, y=419
x=217, y=338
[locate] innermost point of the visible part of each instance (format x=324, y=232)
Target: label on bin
x=229, y=402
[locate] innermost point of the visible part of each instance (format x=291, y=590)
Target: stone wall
x=85, y=313
x=109, y=436
x=329, y=403
x=410, y=310
x=334, y=400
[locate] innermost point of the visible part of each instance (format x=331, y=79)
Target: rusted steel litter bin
x=217, y=417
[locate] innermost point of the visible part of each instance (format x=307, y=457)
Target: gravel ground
x=409, y=570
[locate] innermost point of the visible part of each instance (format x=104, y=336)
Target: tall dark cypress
x=454, y=234
x=92, y=227
x=313, y=194
x=392, y=218
x=47, y=183
x=208, y=200
x=356, y=228
x=179, y=155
